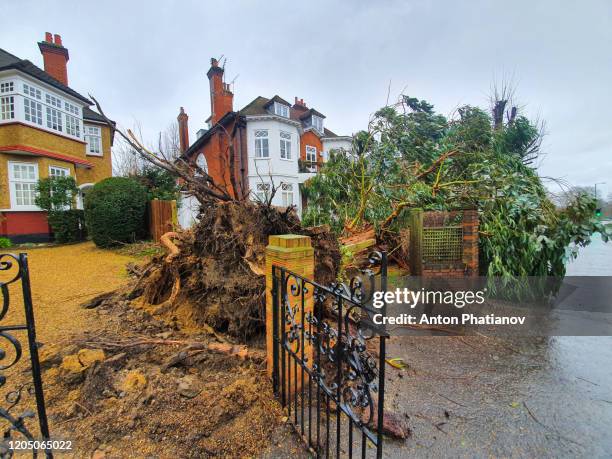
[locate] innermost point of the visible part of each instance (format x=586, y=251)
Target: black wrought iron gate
x=15, y=267
x=326, y=371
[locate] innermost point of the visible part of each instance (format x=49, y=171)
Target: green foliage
x=68, y=225
x=115, y=211
x=159, y=183
x=413, y=157
x=55, y=193
x=5, y=243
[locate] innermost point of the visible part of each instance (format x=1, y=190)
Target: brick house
x=274, y=143
x=46, y=129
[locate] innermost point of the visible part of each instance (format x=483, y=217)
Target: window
x=32, y=110
x=261, y=144
x=201, y=162
x=7, y=108
x=93, y=137
x=32, y=91
x=55, y=171
x=285, y=145
x=311, y=158
x=6, y=87
x=72, y=109
x=73, y=126
x=281, y=110
x=54, y=119
x=263, y=191
x=23, y=178
x=317, y=123
x=53, y=101
x=287, y=194
x=311, y=154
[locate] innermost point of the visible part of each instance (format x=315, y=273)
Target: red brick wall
x=25, y=226
x=217, y=153
x=310, y=138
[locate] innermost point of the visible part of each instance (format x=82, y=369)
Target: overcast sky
x=143, y=60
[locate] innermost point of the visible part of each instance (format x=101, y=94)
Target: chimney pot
x=55, y=57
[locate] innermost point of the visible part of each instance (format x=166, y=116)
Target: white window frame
x=311, y=150
x=262, y=191
x=32, y=91
x=202, y=163
x=285, y=145
x=317, y=123
x=32, y=111
x=281, y=110
x=7, y=87
x=262, y=144
x=90, y=136
x=65, y=172
x=287, y=194
x=54, y=119
x=7, y=108
x=73, y=126
x=13, y=182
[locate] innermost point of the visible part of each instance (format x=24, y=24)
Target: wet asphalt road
x=474, y=396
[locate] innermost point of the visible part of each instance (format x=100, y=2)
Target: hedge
x=68, y=225
x=115, y=211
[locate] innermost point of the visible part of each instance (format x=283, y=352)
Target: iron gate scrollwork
x=325, y=370
x=16, y=267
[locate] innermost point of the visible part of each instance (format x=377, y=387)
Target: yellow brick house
x=46, y=128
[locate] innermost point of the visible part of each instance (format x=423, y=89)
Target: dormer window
x=317, y=123
x=281, y=110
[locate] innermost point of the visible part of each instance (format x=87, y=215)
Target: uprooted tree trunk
x=216, y=269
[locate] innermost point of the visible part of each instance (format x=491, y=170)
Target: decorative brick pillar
x=294, y=252
x=470, y=242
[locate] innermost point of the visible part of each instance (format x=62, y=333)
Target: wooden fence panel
x=162, y=218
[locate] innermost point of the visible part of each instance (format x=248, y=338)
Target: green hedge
x=115, y=211
x=68, y=225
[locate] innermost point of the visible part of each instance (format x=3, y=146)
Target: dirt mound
x=136, y=387
x=216, y=277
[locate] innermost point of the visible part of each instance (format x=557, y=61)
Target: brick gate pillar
x=470, y=242
x=294, y=252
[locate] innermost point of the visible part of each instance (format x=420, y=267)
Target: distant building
x=274, y=143
x=46, y=129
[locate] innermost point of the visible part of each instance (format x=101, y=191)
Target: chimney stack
x=221, y=98
x=55, y=57
x=183, y=129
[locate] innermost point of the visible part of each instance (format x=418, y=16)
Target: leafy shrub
x=115, y=211
x=68, y=225
x=56, y=193
x=5, y=243
x=160, y=183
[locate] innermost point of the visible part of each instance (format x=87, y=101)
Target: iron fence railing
x=331, y=385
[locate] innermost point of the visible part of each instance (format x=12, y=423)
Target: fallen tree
x=413, y=157
x=214, y=272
